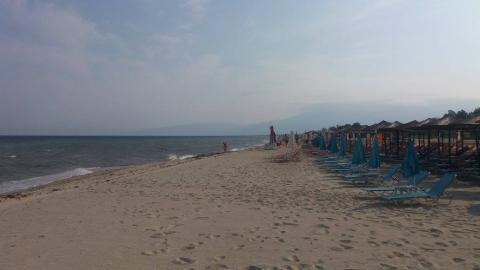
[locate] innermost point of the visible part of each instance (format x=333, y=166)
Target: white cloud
x=45, y=36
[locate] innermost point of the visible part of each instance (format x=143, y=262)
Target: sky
x=113, y=67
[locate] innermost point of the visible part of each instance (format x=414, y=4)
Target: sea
x=30, y=161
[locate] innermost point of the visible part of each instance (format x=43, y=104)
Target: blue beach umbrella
x=410, y=165
x=333, y=148
x=358, y=156
x=316, y=141
x=343, y=146
x=321, y=144
x=374, y=161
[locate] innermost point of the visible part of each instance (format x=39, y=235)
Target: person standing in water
x=225, y=148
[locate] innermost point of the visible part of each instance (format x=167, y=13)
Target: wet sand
x=233, y=211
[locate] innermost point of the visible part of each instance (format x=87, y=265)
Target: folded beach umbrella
x=374, y=161
x=410, y=165
x=321, y=142
x=358, y=156
x=316, y=141
x=333, y=148
x=343, y=146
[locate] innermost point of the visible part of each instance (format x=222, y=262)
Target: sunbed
x=435, y=192
x=412, y=184
x=379, y=179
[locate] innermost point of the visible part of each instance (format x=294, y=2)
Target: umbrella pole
x=366, y=141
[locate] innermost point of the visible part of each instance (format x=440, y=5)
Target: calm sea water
x=38, y=160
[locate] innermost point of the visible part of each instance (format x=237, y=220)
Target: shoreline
x=239, y=210
x=46, y=180
x=97, y=170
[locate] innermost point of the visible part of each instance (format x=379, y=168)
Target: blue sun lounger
x=348, y=168
x=435, y=192
x=379, y=179
x=412, y=183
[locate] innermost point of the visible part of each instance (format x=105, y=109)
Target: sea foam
x=19, y=185
x=174, y=157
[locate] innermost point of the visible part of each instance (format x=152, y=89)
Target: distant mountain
x=320, y=116
x=207, y=129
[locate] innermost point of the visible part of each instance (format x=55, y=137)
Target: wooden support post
x=442, y=136
x=438, y=142
x=477, y=143
x=450, y=147
x=456, y=142
x=398, y=143
x=428, y=142
x=384, y=144
x=390, y=142
x=461, y=139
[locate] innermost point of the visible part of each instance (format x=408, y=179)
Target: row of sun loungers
x=463, y=161
x=388, y=184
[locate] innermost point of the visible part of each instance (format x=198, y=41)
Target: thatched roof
x=409, y=125
x=379, y=125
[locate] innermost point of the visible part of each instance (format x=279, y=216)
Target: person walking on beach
x=273, y=136
x=225, y=148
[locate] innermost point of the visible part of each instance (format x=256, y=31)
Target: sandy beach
x=237, y=210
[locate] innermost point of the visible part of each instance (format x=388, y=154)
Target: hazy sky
x=89, y=66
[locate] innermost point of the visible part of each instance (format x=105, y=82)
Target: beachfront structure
x=446, y=144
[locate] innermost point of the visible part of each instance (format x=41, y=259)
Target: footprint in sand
x=183, y=260
x=239, y=247
x=399, y=254
x=217, y=266
x=149, y=252
x=291, y=258
x=441, y=244
x=388, y=267
x=219, y=258
x=346, y=246
x=279, y=239
x=336, y=249
x=425, y=263
x=436, y=232
x=189, y=247
x=453, y=243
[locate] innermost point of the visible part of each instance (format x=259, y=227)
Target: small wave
x=248, y=147
x=174, y=157
x=19, y=185
x=12, y=156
